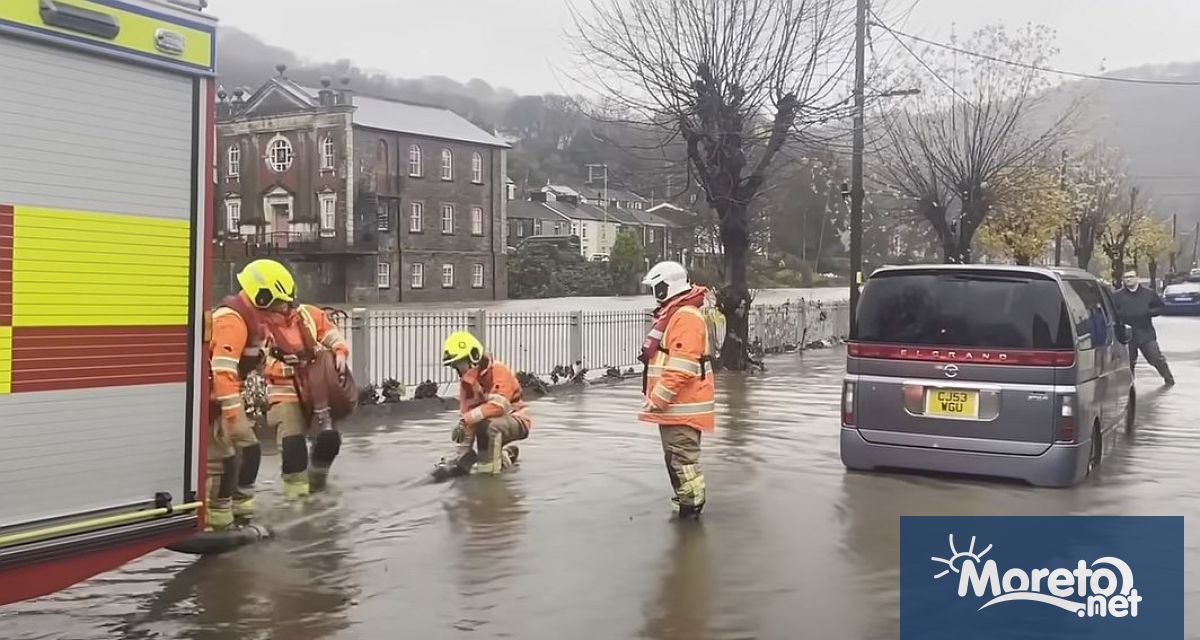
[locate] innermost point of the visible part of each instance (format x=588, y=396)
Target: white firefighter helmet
x=666, y=280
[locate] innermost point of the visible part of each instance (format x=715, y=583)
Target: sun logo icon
x=957, y=558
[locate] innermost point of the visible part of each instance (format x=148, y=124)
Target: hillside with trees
x=1122, y=134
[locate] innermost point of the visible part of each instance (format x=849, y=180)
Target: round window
x=279, y=154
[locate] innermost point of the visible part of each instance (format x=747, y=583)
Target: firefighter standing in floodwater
x=678, y=385
x=491, y=409
x=264, y=327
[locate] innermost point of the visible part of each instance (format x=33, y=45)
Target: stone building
x=367, y=200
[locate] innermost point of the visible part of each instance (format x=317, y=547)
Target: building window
x=476, y=168
x=447, y=165
x=233, y=216
x=383, y=169
x=328, y=214
x=327, y=152
x=537, y=227
x=414, y=161
x=476, y=221
x=558, y=228
x=279, y=154
x=477, y=276
x=383, y=275
x=583, y=231
x=447, y=276
x=650, y=232
x=574, y=229
x=233, y=165
x=381, y=212
x=637, y=205
x=447, y=219
x=417, y=275
x=520, y=230
x=416, y=217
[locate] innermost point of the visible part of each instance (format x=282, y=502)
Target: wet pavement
x=577, y=542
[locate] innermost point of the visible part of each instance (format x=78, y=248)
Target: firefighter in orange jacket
x=264, y=328
x=678, y=387
x=491, y=410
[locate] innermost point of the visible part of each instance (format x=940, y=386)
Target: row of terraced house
x=379, y=201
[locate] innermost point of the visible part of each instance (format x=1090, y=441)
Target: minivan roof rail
x=1046, y=271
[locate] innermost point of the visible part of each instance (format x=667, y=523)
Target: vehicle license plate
x=952, y=403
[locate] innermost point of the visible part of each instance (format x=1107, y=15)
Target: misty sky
x=519, y=43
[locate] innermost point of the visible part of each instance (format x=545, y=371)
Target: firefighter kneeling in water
x=492, y=413
x=263, y=327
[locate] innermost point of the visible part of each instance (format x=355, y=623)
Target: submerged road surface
x=577, y=543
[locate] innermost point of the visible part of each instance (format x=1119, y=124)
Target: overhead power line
x=1034, y=67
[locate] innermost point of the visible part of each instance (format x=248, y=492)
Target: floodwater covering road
x=577, y=542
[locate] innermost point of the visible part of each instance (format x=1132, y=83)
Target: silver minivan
x=1018, y=372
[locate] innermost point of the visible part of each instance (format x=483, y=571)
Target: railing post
x=360, y=338
x=803, y=304
x=477, y=323
x=576, y=346
x=759, y=328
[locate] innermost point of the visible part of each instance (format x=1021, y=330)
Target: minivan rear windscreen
x=964, y=309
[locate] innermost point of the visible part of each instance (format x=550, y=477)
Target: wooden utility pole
x=1058, y=237
x=1174, y=243
x=1195, y=244
x=856, y=164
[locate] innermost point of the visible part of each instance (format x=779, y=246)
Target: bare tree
x=1094, y=189
x=733, y=80
x=1117, y=235
x=979, y=118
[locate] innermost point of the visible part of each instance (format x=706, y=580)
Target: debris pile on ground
x=575, y=373
x=426, y=390
x=533, y=383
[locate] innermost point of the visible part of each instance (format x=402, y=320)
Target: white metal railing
x=406, y=346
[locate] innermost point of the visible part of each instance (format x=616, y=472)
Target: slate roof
x=528, y=210
x=406, y=117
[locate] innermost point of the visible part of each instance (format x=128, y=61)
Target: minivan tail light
x=1067, y=431
x=848, y=403
x=1011, y=357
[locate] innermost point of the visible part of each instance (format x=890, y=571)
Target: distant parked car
x=1016, y=372
x=1183, y=298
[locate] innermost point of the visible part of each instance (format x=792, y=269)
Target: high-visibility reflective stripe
x=656, y=334
x=309, y=321
x=690, y=409
x=333, y=339
x=685, y=365
x=224, y=363
x=654, y=371
x=138, y=32
x=475, y=415
x=221, y=312
x=663, y=393
x=500, y=400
